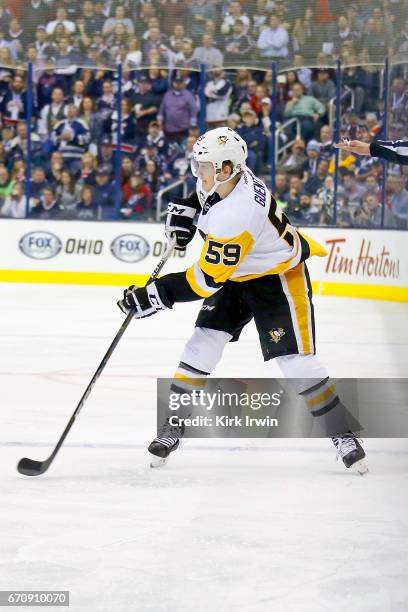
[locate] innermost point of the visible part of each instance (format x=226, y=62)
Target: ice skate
x=166, y=442
x=350, y=450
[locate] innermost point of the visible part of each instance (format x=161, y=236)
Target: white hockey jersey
x=246, y=236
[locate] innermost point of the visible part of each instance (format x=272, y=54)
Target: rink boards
x=359, y=263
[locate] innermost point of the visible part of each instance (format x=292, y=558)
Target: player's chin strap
x=218, y=183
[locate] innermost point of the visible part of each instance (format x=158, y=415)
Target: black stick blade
x=29, y=467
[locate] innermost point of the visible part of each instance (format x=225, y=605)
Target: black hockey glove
x=146, y=301
x=179, y=220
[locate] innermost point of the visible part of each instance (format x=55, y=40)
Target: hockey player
x=252, y=265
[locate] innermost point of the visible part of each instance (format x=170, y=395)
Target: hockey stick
x=30, y=467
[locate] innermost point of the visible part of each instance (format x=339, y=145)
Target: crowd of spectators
x=74, y=139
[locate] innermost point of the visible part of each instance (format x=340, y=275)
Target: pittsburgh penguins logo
x=277, y=334
x=222, y=140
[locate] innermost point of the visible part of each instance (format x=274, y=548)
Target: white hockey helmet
x=217, y=146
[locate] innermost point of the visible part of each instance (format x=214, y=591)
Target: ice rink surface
x=260, y=525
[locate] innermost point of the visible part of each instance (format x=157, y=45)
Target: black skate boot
x=350, y=450
x=166, y=442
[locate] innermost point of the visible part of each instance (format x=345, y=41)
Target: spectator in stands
x=296, y=188
x=273, y=41
x=14, y=205
x=306, y=35
x=207, y=54
x=5, y=15
x=18, y=173
x=66, y=58
x=295, y=162
x=399, y=100
x=52, y=113
x=315, y=181
x=146, y=105
x=133, y=57
x=266, y=110
x=281, y=187
x=16, y=37
x=341, y=32
x=286, y=90
x=371, y=187
x=54, y=168
x=198, y=12
x=68, y=192
x=401, y=41
x=91, y=118
x=19, y=144
x=210, y=28
x=369, y=213
x=323, y=89
x=285, y=13
x=155, y=137
x=153, y=177
x=326, y=142
x=47, y=207
x=238, y=45
x=154, y=40
x=233, y=15
x=119, y=18
x=90, y=20
x=260, y=15
x=399, y=202
x=88, y=169
x=256, y=99
x=138, y=205
x=309, y=167
x=373, y=42
x=253, y=135
x=38, y=182
x=126, y=172
x=306, y=213
x=178, y=111
x=61, y=18
x=42, y=44
x=106, y=154
x=176, y=37
x=186, y=56
x=128, y=128
x=13, y=106
x=353, y=190
x=6, y=183
x=104, y=192
x=307, y=108
x=217, y=92
x=77, y=93
x=106, y=103
x=173, y=13
x=87, y=208
x=72, y=137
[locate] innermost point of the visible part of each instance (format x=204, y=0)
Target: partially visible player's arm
x=220, y=257
x=396, y=152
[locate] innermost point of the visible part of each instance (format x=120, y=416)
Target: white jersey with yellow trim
x=247, y=236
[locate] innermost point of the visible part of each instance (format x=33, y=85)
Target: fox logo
x=222, y=140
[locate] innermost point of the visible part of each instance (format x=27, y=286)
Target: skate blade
x=157, y=462
x=360, y=467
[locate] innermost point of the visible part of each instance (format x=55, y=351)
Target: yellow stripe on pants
x=301, y=312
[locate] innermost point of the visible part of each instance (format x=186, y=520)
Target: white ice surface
x=255, y=526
